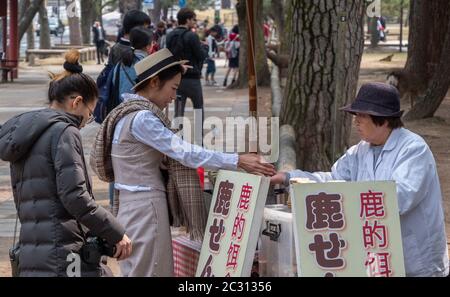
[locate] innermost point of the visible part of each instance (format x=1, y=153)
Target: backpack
x=176, y=47
x=231, y=49
x=109, y=96
x=383, y=22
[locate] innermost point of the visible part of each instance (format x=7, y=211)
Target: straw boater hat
x=150, y=66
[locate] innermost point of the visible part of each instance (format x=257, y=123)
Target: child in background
x=212, y=49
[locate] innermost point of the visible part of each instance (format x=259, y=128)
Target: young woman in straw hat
x=141, y=139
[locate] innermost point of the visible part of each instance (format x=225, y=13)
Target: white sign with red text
x=233, y=225
x=347, y=229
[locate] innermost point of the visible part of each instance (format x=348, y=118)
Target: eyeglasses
x=91, y=115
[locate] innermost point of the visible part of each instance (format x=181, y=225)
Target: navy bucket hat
x=377, y=99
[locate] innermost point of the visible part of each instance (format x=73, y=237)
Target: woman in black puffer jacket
x=51, y=187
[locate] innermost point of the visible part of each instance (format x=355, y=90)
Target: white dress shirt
x=147, y=128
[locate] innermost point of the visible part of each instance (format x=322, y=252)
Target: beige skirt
x=145, y=217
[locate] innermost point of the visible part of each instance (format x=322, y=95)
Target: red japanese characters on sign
x=372, y=205
x=244, y=200
x=217, y=231
x=377, y=264
x=325, y=212
x=233, y=255
x=239, y=226
x=344, y=229
x=232, y=228
x=375, y=235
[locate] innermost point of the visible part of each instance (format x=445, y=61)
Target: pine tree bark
x=30, y=37
x=23, y=5
x=278, y=8
x=88, y=9
x=428, y=55
x=44, y=34
x=262, y=68
x=126, y=5
x=28, y=16
x=374, y=34
x=74, y=22
x=324, y=67
x=156, y=12
x=438, y=86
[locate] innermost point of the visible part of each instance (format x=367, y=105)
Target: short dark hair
x=185, y=14
x=163, y=76
x=140, y=38
x=134, y=18
x=393, y=122
x=161, y=25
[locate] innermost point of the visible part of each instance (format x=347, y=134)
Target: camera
x=94, y=248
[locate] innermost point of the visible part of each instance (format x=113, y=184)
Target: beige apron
x=144, y=215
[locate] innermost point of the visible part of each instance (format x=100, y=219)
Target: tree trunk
x=44, y=34
x=374, y=34
x=126, y=5
x=88, y=8
x=427, y=52
x=323, y=74
x=156, y=12
x=30, y=37
x=262, y=68
x=28, y=16
x=279, y=14
x=97, y=12
x=368, y=24
x=437, y=87
x=74, y=22
x=226, y=4
x=166, y=12
x=417, y=44
x=23, y=5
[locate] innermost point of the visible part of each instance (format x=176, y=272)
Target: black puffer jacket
x=52, y=192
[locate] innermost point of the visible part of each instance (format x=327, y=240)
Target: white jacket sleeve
x=344, y=169
x=413, y=175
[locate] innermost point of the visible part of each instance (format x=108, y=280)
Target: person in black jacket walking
x=51, y=188
x=185, y=45
x=99, y=40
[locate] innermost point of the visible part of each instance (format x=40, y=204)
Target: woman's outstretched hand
x=256, y=164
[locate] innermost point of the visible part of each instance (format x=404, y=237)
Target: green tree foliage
x=390, y=9
x=194, y=4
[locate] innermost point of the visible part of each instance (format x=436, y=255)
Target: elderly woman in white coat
x=388, y=151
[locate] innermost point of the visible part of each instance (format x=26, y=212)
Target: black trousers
x=100, y=45
x=191, y=88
